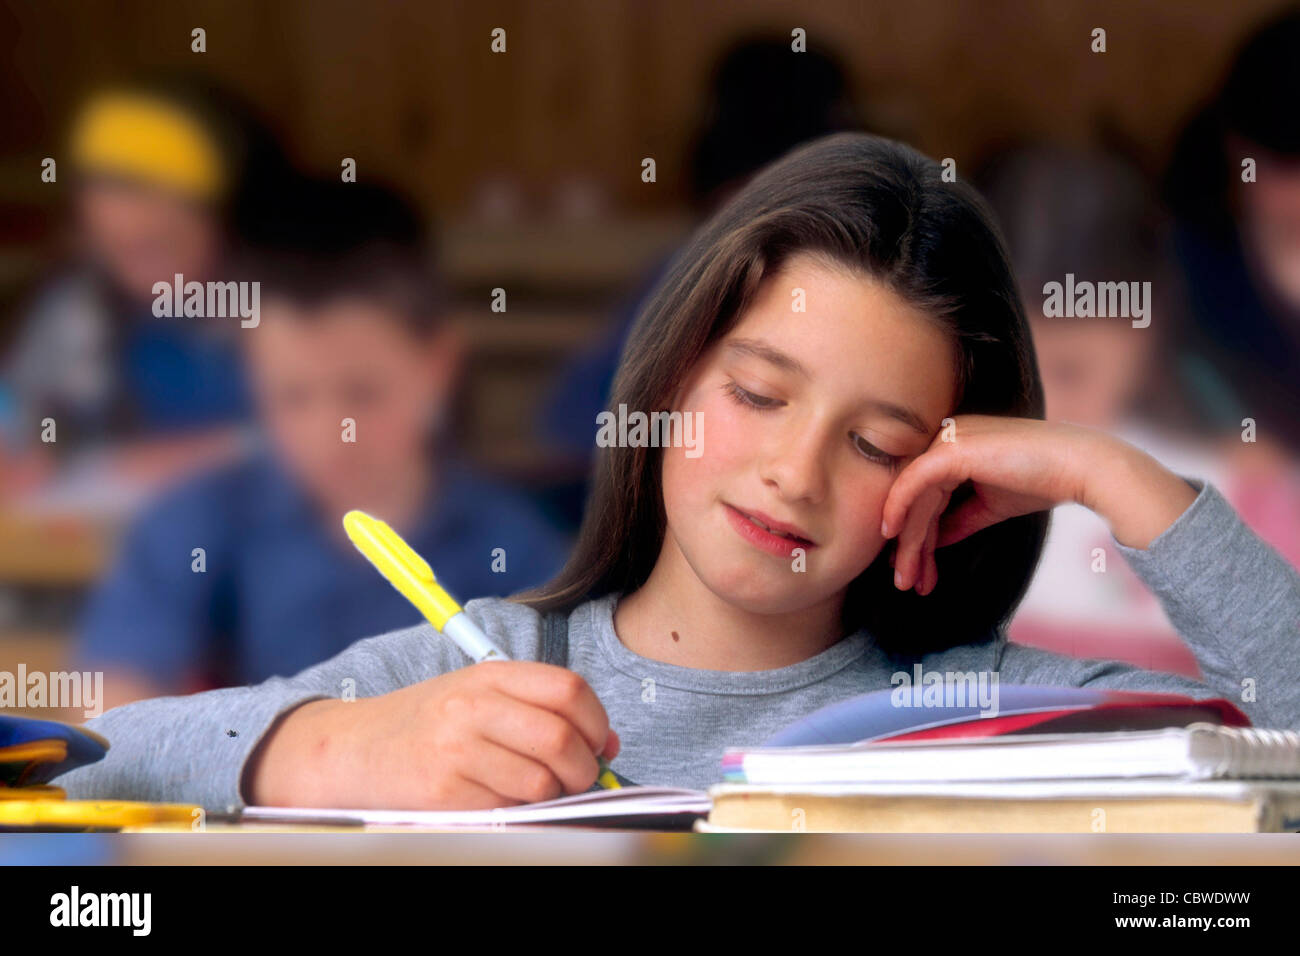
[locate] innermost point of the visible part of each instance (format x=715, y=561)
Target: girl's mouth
x=758, y=533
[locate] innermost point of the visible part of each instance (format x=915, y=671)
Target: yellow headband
x=150, y=140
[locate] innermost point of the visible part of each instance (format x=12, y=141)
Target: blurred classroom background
x=525, y=170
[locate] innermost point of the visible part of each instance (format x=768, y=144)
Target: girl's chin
x=757, y=593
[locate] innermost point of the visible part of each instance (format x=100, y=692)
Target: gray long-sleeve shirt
x=1233, y=599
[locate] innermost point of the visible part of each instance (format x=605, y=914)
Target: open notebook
x=657, y=807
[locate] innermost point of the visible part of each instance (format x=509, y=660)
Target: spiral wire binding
x=1251, y=751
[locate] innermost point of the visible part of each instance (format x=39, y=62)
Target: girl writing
x=870, y=490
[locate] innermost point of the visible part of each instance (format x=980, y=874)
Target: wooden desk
x=246, y=845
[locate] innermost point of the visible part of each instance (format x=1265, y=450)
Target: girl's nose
x=795, y=464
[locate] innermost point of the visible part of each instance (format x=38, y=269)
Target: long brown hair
x=884, y=209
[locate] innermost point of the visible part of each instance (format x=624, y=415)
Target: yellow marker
x=414, y=579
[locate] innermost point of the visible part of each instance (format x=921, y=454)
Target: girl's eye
x=872, y=453
x=745, y=397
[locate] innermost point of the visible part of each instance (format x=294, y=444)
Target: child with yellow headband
x=156, y=176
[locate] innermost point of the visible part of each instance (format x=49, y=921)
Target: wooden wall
x=411, y=90
x=586, y=89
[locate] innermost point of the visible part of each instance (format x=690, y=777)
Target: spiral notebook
x=1203, y=778
x=1201, y=751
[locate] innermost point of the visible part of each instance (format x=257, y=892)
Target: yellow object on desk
x=46, y=814
x=39, y=791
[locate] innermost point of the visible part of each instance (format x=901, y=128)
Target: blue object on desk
x=83, y=747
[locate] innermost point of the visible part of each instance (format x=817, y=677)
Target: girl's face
x=805, y=419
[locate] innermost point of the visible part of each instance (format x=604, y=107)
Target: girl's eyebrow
x=768, y=353
x=782, y=360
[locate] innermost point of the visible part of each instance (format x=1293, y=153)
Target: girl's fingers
x=930, y=569
x=558, y=690
x=916, y=526
x=541, y=736
x=929, y=575
x=909, y=540
x=472, y=795
x=612, y=746
x=517, y=778
x=934, y=470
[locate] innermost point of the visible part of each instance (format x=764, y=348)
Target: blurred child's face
x=807, y=418
x=1270, y=224
x=142, y=235
x=348, y=359
x=1091, y=367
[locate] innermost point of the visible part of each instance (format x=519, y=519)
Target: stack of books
x=1204, y=778
x=1050, y=760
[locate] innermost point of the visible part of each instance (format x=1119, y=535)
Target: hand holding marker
x=411, y=575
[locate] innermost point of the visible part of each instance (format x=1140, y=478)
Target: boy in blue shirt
x=244, y=572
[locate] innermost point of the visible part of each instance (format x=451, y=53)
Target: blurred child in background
x=353, y=373
x=1091, y=215
x=1234, y=189
x=160, y=174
